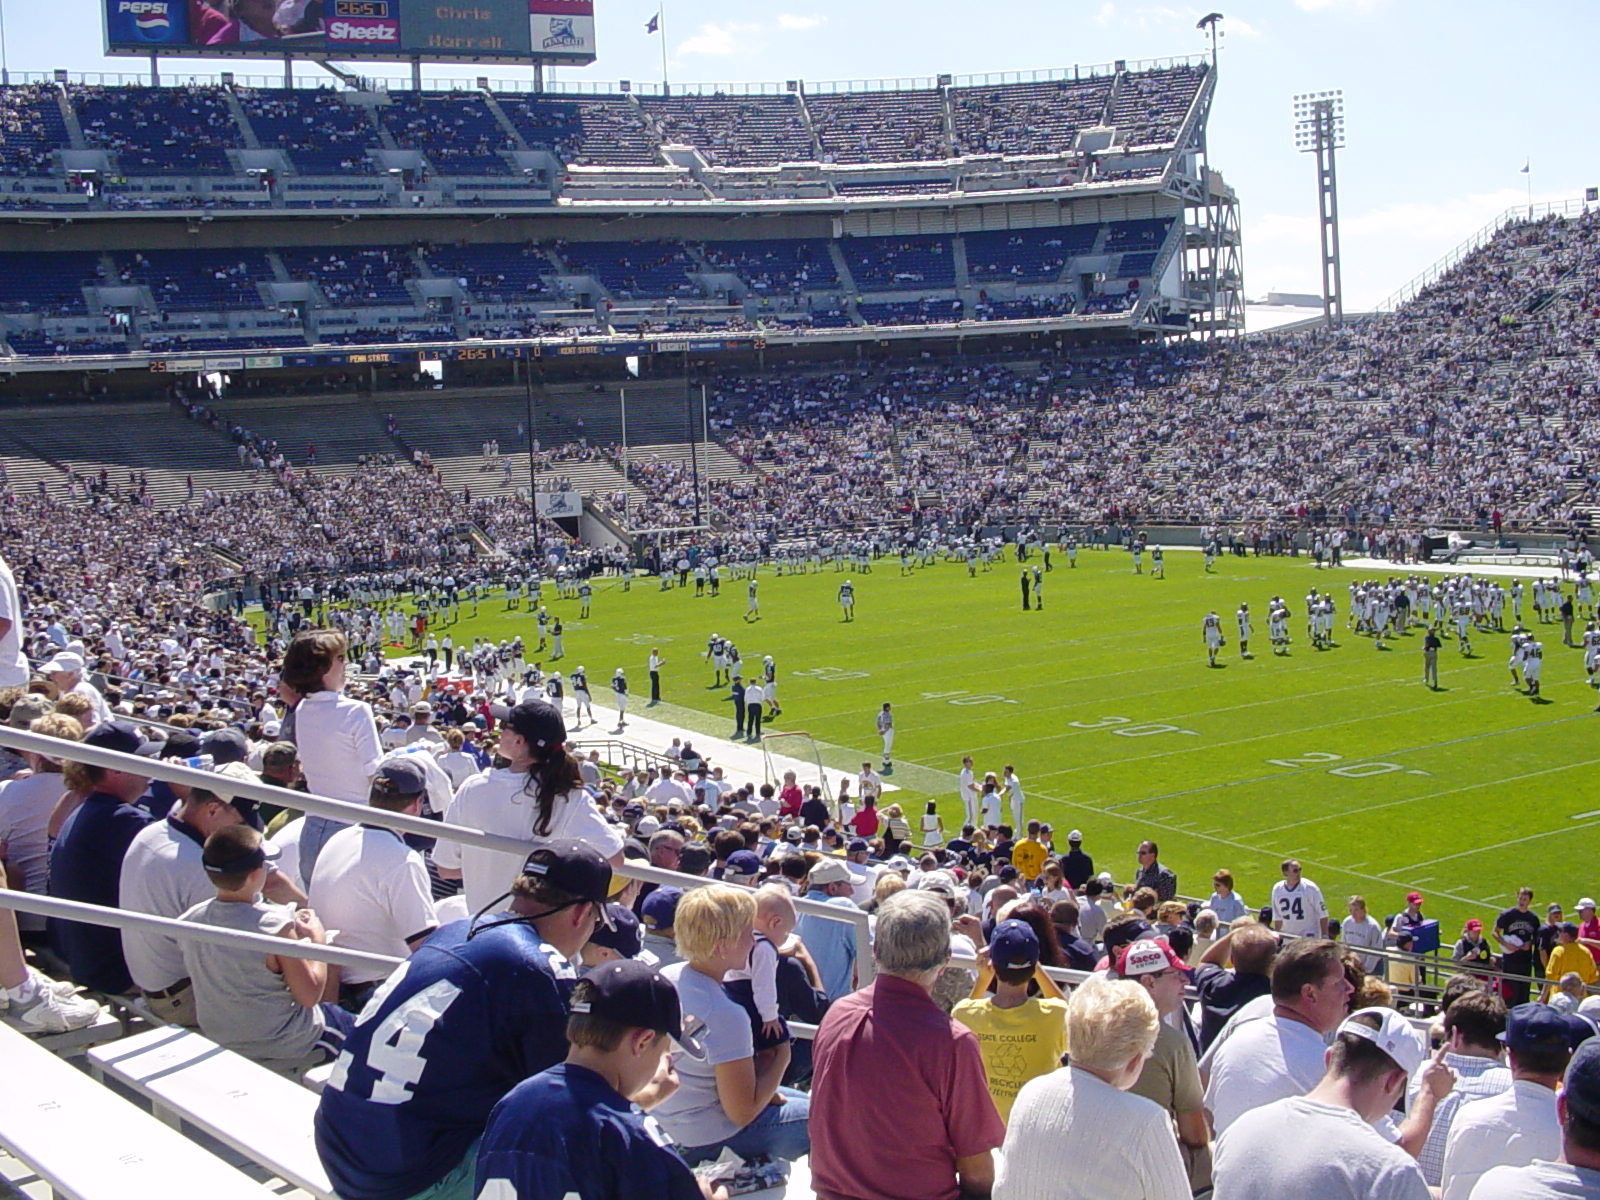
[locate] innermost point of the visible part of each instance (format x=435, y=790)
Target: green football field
x=1105, y=705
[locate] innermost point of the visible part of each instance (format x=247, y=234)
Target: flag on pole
x=1526, y=164
x=655, y=24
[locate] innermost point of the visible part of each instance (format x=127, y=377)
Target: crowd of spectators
x=1461, y=407
x=1198, y=1031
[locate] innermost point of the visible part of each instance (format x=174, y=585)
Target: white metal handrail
x=341, y=810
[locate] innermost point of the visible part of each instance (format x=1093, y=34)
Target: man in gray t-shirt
x=265, y=1006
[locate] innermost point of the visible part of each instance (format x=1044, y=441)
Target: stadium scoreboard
x=477, y=31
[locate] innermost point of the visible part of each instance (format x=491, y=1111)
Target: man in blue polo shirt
x=575, y=1130
x=86, y=862
x=477, y=1008
x=832, y=943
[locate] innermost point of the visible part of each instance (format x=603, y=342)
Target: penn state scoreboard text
x=479, y=31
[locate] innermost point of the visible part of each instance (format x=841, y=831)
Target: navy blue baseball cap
x=398, y=777
x=1535, y=1027
x=114, y=735
x=742, y=863
x=630, y=993
x=660, y=908
x=1581, y=1085
x=1014, y=945
x=574, y=867
x=620, y=933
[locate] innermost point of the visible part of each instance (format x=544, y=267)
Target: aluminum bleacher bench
x=190, y=1080
x=88, y=1143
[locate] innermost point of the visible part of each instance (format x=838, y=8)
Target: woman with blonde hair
x=27, y=814
x=729, y=1096
x=1056, y=1146
x=896, y=830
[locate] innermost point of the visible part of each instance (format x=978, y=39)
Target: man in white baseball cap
x=65, y=671
x=832, y=943
x=1323, y=1144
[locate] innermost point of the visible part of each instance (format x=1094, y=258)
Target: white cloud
x=718, y=41
x=1241, y=28
x=796, y=22
x=1359, y=7
x=1383, y=248
x=1106, y=15
x=1160, y=17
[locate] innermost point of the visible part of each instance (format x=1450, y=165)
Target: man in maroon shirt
x=932, y=1133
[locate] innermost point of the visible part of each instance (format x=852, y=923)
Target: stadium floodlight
x=1319, y=129
x=1208, y=24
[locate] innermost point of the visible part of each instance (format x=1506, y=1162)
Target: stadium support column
x=1319, y=130
x=694, y=444
x=155, y=71
x=533, y=460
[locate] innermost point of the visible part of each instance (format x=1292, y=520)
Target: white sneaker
x=61, y=987
x=48, y=1012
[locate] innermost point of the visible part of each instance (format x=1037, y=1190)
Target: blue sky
x=1444, y=102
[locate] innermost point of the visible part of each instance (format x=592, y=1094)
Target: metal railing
x=1515, y=214
x=171, y=771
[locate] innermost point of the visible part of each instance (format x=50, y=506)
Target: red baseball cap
x=1414, y=898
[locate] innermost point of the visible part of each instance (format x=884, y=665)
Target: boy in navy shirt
x=575, y=1129
x=477, y=1008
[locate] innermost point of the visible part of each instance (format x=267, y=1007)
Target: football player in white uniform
x=1211, y=632
x=1533, y=665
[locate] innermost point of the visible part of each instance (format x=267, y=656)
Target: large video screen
x=479, y=31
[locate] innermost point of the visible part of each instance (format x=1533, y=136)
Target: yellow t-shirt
x=1017, y=1044
x=1028, y=856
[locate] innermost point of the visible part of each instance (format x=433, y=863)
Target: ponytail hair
x=550, y=776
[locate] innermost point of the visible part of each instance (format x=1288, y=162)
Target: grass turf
x=1105, y=705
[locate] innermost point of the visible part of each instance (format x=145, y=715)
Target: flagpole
x=662, y=16
x=1527, y=170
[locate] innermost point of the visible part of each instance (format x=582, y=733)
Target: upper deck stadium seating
x=454, y=130
x=888, y=126
x=1027, y=118
x=591, y=131
x=321, y=134
x=31, y=129
x=159, y=131
x=734, y=131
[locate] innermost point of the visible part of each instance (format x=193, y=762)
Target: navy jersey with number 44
x=456, y=1027
x=567, y=1133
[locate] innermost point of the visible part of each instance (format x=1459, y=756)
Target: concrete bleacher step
x=252, y=1110
x=88, y=1143
x=716, y=461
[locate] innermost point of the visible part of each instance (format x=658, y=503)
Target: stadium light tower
x=1319, y=130
x=1208, y=24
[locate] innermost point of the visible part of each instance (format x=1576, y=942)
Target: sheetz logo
x=346, y=31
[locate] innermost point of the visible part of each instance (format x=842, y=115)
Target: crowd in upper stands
x=191, y=130
x=1474, y=403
